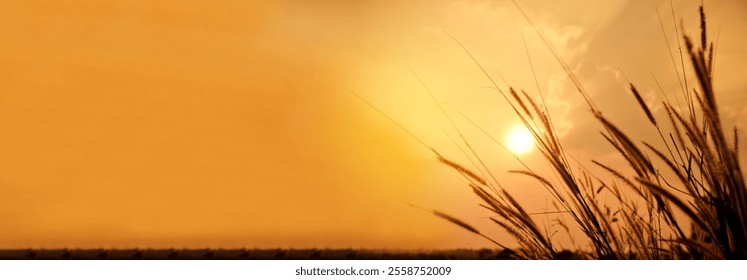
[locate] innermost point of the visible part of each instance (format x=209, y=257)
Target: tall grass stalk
x=692, y=177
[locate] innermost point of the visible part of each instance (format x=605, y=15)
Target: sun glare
x=519, y=140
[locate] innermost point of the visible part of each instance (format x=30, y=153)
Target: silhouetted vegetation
x=252, y=254
x=691, y=177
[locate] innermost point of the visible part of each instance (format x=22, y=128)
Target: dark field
x=251, y=254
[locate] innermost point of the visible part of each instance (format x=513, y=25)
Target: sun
x=519, y=140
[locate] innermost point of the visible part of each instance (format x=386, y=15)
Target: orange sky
x=230, y=123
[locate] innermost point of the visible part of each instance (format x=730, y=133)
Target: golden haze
x=230, y=123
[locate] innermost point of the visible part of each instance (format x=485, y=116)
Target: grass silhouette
x=692, y=176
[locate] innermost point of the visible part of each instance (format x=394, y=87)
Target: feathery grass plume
x=465, y=171
x=529, y=226
x=703, y=40
x=466, y=226
x=550, y=141
x=634, y=155
x=522, y=240
x=456, y=221
x=487, y=198
x=736, y=143
x=531, y=102
x=521, y=103
x=675, y=126
x=645, y=108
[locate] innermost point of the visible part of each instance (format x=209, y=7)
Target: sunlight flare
x=519, y=140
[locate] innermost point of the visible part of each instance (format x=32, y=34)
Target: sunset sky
x=229, y=123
